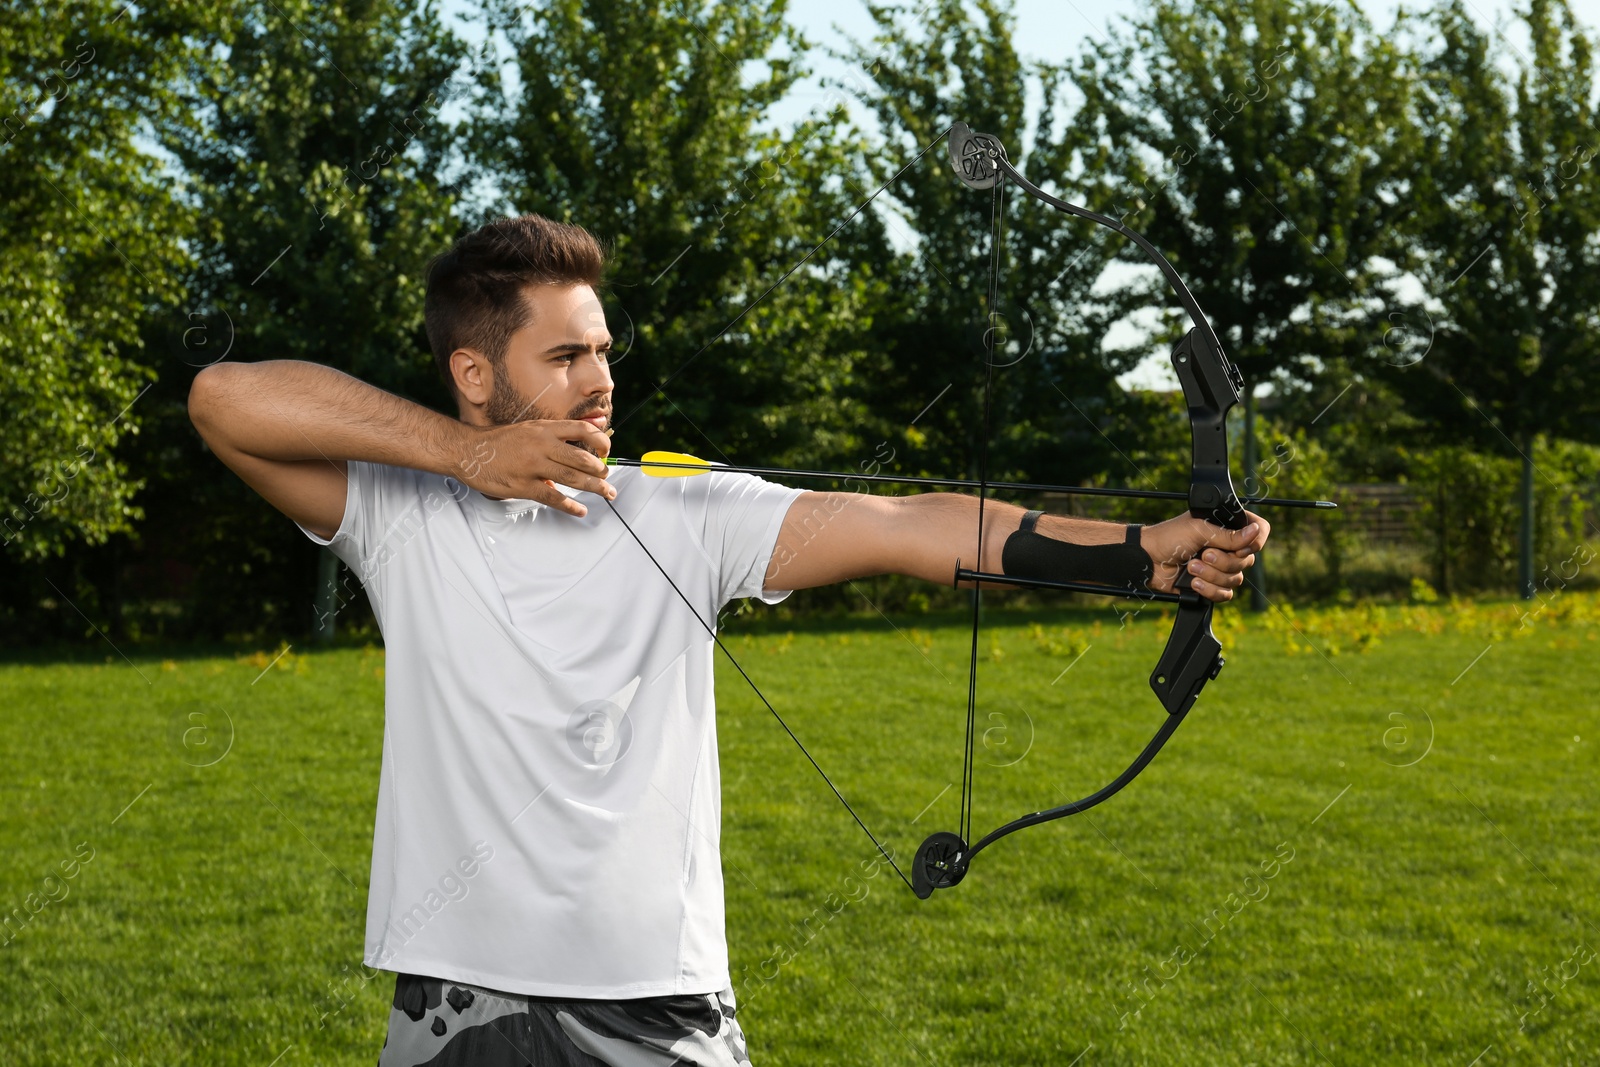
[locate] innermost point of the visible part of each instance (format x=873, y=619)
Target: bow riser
x=1211, y=387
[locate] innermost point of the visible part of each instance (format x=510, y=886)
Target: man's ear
x=473, y=375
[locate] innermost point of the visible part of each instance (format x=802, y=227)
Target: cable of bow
x=969, y=749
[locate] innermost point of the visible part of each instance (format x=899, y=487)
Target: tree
x=1507, y=207
x=314, y=151
x=1056, y=408
x=92, y=242
x=736, y=334
x=1263, y=147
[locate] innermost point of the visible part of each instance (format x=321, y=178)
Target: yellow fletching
x=649, y=458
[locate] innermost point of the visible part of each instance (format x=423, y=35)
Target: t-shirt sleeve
x=743, y=516
x=376, y=494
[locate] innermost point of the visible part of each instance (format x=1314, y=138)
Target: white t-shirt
x=549, y=807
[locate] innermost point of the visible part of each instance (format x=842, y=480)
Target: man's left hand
x=1216, y=557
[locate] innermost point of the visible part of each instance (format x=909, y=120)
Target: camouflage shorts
x=439, y=1023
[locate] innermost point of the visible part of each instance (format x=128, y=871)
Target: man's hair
x=476, y=291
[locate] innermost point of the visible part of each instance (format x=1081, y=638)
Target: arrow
x=682, y=465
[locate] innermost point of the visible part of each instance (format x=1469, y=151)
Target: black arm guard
x=1029, y=554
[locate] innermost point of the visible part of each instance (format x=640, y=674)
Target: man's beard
x=506, y=406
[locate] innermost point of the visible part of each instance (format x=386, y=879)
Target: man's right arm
x=287, y=428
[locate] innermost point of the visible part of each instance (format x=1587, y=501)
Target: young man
x=546, y=876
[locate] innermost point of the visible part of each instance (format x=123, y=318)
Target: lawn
x=1374, y=841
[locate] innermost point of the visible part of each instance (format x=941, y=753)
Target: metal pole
x=1525, y=562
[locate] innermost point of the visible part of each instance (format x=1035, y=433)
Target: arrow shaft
x=962, y=483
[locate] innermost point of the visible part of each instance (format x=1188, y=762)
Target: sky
x=1056, y=30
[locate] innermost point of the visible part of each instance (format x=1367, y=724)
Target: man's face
x=555, y=367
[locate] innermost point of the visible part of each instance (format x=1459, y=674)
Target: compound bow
x=1192, y=656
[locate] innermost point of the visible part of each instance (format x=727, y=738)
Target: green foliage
x=1470, y=519
x=1505, y=207
x=313, y=153
x=93, y=245
x=644, y=122
x=1261, y=147
x=1056, y=411
x=1294, y=464
x=1359, y=419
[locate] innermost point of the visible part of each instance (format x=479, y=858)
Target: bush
x=1470, y=514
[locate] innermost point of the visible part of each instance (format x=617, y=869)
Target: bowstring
x=972, y=693
x=759, y=694
x=969, y=761
x=712, y=630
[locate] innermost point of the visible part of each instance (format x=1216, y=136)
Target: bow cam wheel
x=940, y=863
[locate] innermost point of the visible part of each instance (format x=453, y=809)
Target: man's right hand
x=527, y=459
x=287, y=429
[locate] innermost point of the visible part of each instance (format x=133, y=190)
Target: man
x=546, y=876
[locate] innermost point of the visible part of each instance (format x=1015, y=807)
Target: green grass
x=219, y=921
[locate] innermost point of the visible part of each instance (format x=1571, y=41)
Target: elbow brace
x=1029, y=554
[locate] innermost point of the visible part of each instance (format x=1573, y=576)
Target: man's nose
x=598, y=379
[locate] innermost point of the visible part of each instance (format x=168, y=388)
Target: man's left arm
x=834, y=537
